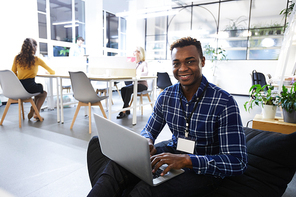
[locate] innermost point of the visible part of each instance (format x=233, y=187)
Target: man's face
x=187, y=65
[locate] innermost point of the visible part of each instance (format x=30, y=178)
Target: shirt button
x=199, y=172
x=187, y=104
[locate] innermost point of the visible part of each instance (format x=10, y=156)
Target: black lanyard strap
x=194, y=108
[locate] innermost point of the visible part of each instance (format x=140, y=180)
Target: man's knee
x=93, y=144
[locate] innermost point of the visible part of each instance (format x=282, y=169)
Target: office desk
x=110, y=80
x=276, y=125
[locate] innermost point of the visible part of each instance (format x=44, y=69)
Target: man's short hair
x=187, y=41
x=80, y=38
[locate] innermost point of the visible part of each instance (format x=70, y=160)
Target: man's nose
x=183, y=67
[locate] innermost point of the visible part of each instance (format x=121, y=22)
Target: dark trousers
x=110, y=179
x=127, y=91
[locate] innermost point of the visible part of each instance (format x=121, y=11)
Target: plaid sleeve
x=156, y=121
x=232, y=157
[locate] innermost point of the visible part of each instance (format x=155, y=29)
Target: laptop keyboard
x=157, y=173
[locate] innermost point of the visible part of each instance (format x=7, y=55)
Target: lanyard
x=189, y=117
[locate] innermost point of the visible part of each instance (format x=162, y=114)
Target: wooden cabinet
x=276, y=125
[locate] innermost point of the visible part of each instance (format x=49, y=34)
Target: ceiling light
x=68, y=26
x=157, y=11
x=63, y=23
x=267, y=42
x=158, y=14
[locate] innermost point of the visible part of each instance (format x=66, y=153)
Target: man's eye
x=176, y=64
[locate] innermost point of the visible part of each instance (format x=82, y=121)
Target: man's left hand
x=174, y=161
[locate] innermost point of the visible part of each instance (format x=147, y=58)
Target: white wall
x=93, y=27
x=235, y=76
x=18, y=21
x=135, y=33
x=232, y=76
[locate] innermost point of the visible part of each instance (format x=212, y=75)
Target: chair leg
x=75, y=115
x=5, y=110
x=149, y=100
x=20, y=109
x=141, y=103
x=131, y=101
x=35, y=109
x=102, y=109
x=23, y=113
x=117, y=90
x=89, y=118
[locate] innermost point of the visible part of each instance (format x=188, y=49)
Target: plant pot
x=233, y=33
x=268, y=111
x=289, y=117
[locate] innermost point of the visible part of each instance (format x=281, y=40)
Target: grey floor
x=48, y=159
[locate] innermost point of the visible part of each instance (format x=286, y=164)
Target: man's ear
x=203, y=61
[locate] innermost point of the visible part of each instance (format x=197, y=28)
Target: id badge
x=185, y=145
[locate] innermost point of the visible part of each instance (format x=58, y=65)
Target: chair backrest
x=12, y=87
x=163, y=80
x=82, y=88
x=258, y=78
x=149, y=89
x=150, y=84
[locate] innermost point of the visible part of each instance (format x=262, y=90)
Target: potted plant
x=287, y=101
x=65, y=51
x=264, y=97
x=287, y=12
x=215, y=54
x=235, y=25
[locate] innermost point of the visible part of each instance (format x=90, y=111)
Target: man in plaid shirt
x=208, y=141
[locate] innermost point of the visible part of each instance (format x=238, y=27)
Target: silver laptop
x=130, y=150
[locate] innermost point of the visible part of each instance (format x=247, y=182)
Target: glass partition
x=61, y=20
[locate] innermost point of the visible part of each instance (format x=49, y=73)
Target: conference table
x=109, y=80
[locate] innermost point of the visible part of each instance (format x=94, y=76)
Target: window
x=60, y=25
x=42, y=24
x=114, y=34
x=156, y=38
x=244, y=33
x=61, y=20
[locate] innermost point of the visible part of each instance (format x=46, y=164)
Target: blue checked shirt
x=215, y=126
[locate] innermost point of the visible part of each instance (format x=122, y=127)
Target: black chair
x=163, y=80
x=258, y=78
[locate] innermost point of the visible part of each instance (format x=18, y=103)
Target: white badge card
x=185, y=145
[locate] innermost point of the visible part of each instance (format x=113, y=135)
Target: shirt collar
x=199, y=91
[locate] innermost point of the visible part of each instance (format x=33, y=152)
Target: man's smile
x=184, y=77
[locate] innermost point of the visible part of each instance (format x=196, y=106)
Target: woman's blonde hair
x=142, y=53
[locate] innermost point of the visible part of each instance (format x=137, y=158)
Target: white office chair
x=85, y=94
x=104, y=91
x=16, y=93
x=144, y=93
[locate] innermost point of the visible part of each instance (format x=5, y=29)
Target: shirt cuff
x=199, y=163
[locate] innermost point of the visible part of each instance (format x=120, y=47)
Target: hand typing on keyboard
x=174, y=161
x=157, y=173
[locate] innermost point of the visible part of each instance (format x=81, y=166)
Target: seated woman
x=25, y=67
x=127, y=91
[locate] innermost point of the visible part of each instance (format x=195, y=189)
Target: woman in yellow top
x=25, y=67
